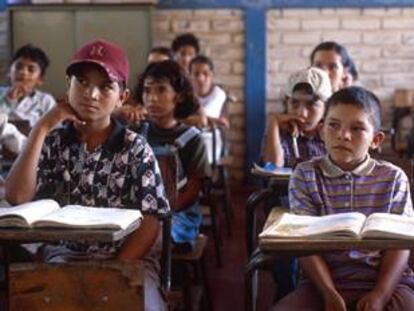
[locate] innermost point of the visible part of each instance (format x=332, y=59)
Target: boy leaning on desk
x=78, y=154
x=348, y=179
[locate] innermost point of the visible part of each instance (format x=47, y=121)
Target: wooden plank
x=88, y=286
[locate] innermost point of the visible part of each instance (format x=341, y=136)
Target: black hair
x=359, y=97
x=332, y=46
x=185, y=39
x=172, y=72
x=33, y=53
x=202, y=59
x=352, y=69
x=162, y=50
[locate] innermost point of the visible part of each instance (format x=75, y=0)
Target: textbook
x=352, y=225
x=270, y=170
x=48, y=214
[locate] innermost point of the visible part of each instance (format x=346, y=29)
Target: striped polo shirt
x=308, y=147
x=319, y=187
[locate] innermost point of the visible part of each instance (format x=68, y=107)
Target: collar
x=71, y=136
x=330, y=169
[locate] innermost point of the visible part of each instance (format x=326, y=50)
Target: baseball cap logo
x=97, y=50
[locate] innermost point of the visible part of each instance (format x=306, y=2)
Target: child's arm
x=140, y=242
x=392, y=266
x=273, y=151
x=190, y=194
x=21, y=180
x=318, y=272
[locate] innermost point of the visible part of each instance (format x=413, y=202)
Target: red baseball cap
x=109, y=56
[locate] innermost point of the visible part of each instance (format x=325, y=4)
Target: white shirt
x=213, y=103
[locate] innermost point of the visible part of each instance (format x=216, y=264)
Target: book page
x=329, y=226
x=384, y=225
x=27, y=212
x=76, y=216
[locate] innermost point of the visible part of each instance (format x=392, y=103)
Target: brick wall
x=380, y=40
x=221, y=33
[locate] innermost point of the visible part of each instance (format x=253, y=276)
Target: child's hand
x=131, y=114
x=287, y=121
x=17, y=92
x=62, y=111
x=373, y=301
x=334, y=302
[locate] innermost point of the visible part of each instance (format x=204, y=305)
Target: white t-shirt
x=213, y=103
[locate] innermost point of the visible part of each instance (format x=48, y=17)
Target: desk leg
x=252, y=202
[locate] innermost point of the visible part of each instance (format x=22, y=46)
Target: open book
x=351, y=225
x=271, y=171
x=48, y=214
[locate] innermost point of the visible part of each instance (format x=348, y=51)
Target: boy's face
x=92, y=95
x=159, y=98
x=26, y=72
x=184, y=55
x=155, y=57
x=202, y=79
x=304, y=105
x=348, y=134
x=330, y=61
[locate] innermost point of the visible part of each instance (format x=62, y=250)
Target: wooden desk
x=268, y=250
x=80, y=286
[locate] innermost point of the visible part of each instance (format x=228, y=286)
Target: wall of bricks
x=221, y=33
x=380, y=40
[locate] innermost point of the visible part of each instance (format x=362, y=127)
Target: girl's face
x=304, y=105
x=159, y=98
x=331, y=62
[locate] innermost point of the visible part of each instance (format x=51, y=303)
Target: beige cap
x=315, y=77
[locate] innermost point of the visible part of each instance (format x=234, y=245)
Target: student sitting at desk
x=93, y=160
x=293, y=136
x=345, y=180
x=21, y=100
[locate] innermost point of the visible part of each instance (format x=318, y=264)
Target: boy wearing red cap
x=78, y=154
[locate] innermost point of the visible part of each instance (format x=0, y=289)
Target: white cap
x=315, y=77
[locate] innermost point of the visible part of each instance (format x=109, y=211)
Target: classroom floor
x=227, y=283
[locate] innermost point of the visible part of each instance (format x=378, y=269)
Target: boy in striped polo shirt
x=346, y=180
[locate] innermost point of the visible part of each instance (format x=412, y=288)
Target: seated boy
x=159, y=53
x=293, y=136
x=345, y=180
x=21, y=101
x=210, y=96
x=92, y=160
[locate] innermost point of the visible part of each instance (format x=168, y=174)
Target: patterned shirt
x=30, y=108
x=122, y=172
x=309, y=147
x=319, y=187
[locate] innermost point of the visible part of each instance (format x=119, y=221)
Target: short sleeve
x=195, y=158
x=401, y=202
x=300, y=192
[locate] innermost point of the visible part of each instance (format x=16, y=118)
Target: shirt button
x=346, y=204
x=347, y=176
x=347, y=188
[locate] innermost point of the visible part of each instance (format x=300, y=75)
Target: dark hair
x=162, y=50
x=352, y=69
x=359, y=97
x=171, y=71
x=332, y=46
x=185, y=39
x=33, y=53
x=202, y=59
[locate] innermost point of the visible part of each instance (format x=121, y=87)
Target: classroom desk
x=71, y=286
x=268, y=250
x=275, y=186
